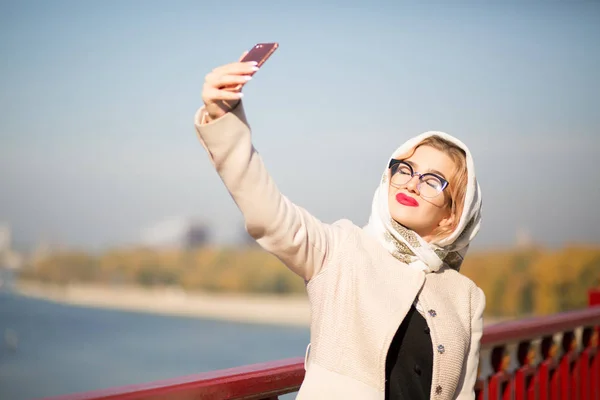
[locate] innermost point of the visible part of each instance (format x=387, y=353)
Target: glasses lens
x=430, y=186
x=401, y=174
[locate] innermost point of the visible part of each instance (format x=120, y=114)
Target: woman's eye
x=404, y=170
x=434, y=183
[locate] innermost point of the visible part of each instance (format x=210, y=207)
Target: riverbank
x=264, y=309
x=292, y=310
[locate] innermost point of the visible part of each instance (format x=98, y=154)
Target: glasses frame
x=394, y=162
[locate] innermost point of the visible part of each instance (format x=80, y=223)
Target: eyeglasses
x=430, y=185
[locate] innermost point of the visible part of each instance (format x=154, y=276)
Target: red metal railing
x=553, y=357
x=263, y=381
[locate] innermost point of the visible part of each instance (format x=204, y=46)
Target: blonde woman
x=391, y=316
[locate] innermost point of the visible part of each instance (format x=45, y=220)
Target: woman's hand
x=223, y=86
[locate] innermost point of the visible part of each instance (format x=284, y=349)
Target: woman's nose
x=413, y=184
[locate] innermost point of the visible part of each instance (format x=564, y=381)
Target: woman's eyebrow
x=415, y=167
x=435, y=171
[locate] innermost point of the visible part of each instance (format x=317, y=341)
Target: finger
x=236, y=88
x=242, y=56
x=222, y=81
x=239, y=68
x=216, y=94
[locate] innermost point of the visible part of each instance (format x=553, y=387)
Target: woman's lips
x=406, y=200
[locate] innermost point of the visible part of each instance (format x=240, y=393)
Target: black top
x=409, y=363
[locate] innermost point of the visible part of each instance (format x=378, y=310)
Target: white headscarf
x=408, y=246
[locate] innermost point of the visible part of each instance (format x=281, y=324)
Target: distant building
x=523, y=239
x=176, y=233
x=197, y=235
x=5, y=237
x=8, y=257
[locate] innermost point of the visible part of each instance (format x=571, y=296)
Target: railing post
x=568, y=367
x=548, y=373
x=526, y=387
x=500, y=383
x=585, y=363
x=594, y=349
x=594, y=363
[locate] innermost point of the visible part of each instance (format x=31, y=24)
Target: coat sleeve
x=298, y=239
x=466, y=387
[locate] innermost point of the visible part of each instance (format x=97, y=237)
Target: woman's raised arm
x=289, y=232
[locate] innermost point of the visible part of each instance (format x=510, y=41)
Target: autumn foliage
x=516, y=282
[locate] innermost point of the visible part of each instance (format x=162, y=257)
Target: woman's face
x=406, y=203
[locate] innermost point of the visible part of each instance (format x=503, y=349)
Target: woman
x=391, y=317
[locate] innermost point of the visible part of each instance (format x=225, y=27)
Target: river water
x=49, y=349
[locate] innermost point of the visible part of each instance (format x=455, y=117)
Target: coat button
x=441, y=349
x=438, y=390
x=417, y=370
x=427, y=330
x=432, y=312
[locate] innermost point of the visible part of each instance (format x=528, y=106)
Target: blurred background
x=123, y=259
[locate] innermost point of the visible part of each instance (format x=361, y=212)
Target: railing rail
x=256, y=381
x=551, y=357
x=531, y=328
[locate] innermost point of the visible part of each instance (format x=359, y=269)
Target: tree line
x=533, y=281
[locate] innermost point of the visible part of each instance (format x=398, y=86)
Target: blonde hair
x=457, y=184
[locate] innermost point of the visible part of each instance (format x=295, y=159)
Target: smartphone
x=260, y=53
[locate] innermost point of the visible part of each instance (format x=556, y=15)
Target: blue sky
x=97, y=100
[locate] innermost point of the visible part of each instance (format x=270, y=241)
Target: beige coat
x=358, y=292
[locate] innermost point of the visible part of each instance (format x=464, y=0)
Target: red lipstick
x=406, y=200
